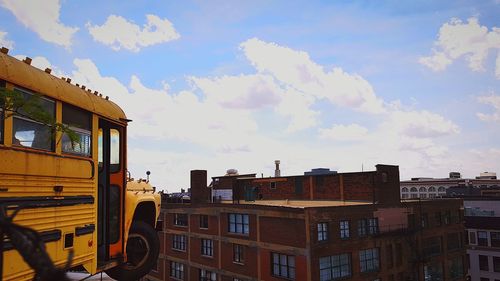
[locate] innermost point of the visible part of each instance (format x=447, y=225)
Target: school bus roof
x=24, y=75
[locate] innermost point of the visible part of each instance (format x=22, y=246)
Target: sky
x=344, y=85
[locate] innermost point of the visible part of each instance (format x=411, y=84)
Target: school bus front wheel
x=142, y=252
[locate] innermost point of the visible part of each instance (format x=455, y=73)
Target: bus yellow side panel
x=65, y=203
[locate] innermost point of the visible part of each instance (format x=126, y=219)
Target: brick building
x=349, y=226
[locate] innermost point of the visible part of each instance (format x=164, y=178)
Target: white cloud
x=497, y=68
x=296, y=69
x=353, y=132
x=492, y=100
x=240, y=92
x=459, y=39
x=119, y=33
x=43, y=18
x=219, y=123
x=4, y=42
x=421, y=124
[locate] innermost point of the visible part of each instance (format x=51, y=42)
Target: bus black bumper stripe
x=45, y=201
x=46, y=236
x=81, y=230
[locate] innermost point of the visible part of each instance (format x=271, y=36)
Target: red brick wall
x=200, y=193
x=359, y=186
x=252, y=224
x=356, y=186
x=175, y=253
x=249, y=266
x=195, y=248
x=283, y=231
x=266, y=270
x=285, y=189
x=213, y=225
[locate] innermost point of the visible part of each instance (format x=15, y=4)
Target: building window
x=373, y=226
x=432, y=246
x=362, y=227
x=424, y=220
x=455, y=268
x=283, y=265
x=179, y=242
x=368, y=260
x=207, y=247
x=177, y=270
x=272, y=185
x=483, y=263
x=238, y=254
x=80, y=122
x=367, y=226
x=447, y=217
x=322, y=231
x=399, y=254
x=437, y=217
x=389, y=257
x=453, y=241
x=238, y=223
x=206, y=275
x=204, y=221
x=404, y=196
x=495, y=239
x=472, y=237
x=433, y=271
x=496, y=264
x=344, y=229
x=333, y=267
x=180, y=219
x=482, y=238
x=30, y=133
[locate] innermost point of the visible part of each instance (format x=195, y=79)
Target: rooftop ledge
x=301, y=203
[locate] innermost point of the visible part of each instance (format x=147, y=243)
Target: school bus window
x=99, y=150
x=114, y=213
x=2, y=116
x=79, y=122
x=1, y=121
x=114, y=151
x=29, y=133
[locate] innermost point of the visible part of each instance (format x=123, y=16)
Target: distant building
x=331, y=226
x=481, y=197
x=486, y=183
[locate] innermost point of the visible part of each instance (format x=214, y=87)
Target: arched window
x=432, y=189
x=441, y=189
x=413, y=189
x=404, y=189
x=422, y=189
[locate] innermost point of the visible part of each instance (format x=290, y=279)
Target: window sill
x=205, y=256
x=238, y=263
x=238, y=234
x=281, y=277
x=183, y=226
x=179, y=250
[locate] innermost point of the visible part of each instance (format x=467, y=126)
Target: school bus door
x=110, y=191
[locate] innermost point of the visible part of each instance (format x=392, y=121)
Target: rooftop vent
x=231, y=172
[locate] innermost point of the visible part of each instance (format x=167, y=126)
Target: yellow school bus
x=76, y=195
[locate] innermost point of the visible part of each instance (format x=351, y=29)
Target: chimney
x=277, y=172
x=200, y=193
